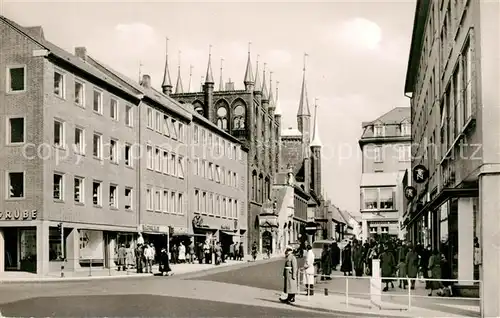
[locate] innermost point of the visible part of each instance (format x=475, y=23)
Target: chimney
x=81, y=52
x=146, y=81
x=230, y=86
x=36, y=31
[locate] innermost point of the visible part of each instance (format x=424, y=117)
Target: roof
x=345, y=217
x=36, y=35
x=379, y=179
x=291, y=132
x=395, y=116
x=421, y=12
x=336, y=216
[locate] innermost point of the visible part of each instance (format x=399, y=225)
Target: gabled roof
x=335, y=212
x=393, y=117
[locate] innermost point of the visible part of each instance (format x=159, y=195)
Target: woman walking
x=434, y=271
x=290, y=274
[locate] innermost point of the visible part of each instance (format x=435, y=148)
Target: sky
x=356, y=64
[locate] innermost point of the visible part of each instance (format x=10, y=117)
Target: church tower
x=316, y=146
x=304, y=126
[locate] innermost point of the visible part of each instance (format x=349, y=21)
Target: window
x=229, y=179
x=150, y=118
x=58, y=133
x=195, y=134
x=386, y=199
x=239, y=117
x=181, y=167
x=378, y=131
x=165, y=201
x=149, y=199
x=197, y=200
x=158, y=125
x=370, y=199
x=181, y=132
x=59, y=84
x=16, y=130
x=173, y=165
x=203, y=168
x=203, y=208
x=97, y=104
x=373, y=230
x=149, y=151
x=384, y=229
x=210, y=171
x=158, y=200
x=79, y=141
x=129, y=115
x=79, y=93
x=174, y=206
x=217, y=206
x=113, y=151
x=113, y=109
x=203, y=136
x=165, y=162
x=158, y=160
x=235, y=180
x=97, y=193
x=224, y=211
x=217, y=173
x=404, y=153
x=196, y=166
x=58, y=187
x=166, y=126
x=222, y=118
x=377, y=151
x=97, y=146
x=128, y=198
x=174, y=132
x=78, y=189
x=16, y=79
x=467, y=80
x=406, y=129
x=180, y=205
x=113, y=198
x=16, y=185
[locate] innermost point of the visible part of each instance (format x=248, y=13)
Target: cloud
x=361, y=33
x=138, y=35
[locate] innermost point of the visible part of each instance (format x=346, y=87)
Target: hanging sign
x=420, y=174
x=410, y=193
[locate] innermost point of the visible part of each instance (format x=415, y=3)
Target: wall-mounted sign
x=153, y=228
x=420, y=174
x=197, y=221
x=225, y=227
x=410, y=193
x=18, y=215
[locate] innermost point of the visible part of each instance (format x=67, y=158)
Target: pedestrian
x=206, y=252
x=434, y=268
x=290, y=275
x=241, y=252
x=122, y=257
x=326, y=270
x=335, y=255
x=309, y=270
x=191, y=252
x=164, y=263
x=387, y=267
x=231, y=251
x=346, y=266
x=254, y=251
x=412, y=265
x=182, y=253
x=149, y=256
x=130, y=261
x=175, y=254
x=139, y=258
x=357, y=259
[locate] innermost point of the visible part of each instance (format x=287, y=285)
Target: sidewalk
x=88, y=273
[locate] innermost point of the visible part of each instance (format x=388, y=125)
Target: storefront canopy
x=231, y=233
x=442, y=197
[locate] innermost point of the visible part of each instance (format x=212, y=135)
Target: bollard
x=409, y=294
x=346, y=292
x=326, y=291
x=62, y=270
x=90, y=268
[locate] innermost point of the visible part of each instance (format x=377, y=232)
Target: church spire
x=316, y=141
x=304, y=103
x=265, y=94
x=209, y=78
x=190, y=78
x=178, y=86
x=221, y=80
x=167, y=82
x=277, y=106
x=271, y=95
x=258, y=85
x=248, y=72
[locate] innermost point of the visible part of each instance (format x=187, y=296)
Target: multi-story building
x=385, y=146
x=90, y=158
x=452, y=80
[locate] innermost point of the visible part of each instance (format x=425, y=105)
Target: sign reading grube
x=18, y=215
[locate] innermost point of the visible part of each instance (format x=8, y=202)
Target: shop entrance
x=267, y=242
x=11, y=256
x=20, y=249
x=226, y=240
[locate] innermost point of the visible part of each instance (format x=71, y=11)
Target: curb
x=351, y=311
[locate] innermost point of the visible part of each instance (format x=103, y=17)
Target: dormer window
x=378, y=131
x=405, y=129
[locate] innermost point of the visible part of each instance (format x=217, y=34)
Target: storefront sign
x=225, y=227
x=18, y=215
x=197, y=221
x=180, y=230
x=420, y=174
x=410, y=193
x=153, y=228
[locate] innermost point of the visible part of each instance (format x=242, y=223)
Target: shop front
x=158, y=235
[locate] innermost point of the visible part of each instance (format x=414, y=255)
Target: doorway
x=267, y=242
x=11, y=237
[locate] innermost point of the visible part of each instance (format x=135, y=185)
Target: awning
x=231, y=233
x=442, y=197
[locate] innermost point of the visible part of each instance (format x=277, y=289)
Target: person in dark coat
x=290, y=276
x=164, y=262
x=387, y=267
x=425, y=254
x=412, y=265
x=326, y=269
x=139, y=258
x=122, y=258
x=357, y=259
x=241, y=252
x=334, y=255
x=346, y=266
x=434, y=267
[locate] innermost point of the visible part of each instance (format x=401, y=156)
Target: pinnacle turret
x=209, y=78
x=166, y=84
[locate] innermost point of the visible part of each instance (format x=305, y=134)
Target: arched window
x=222, y=117
x=268, y=189
x=254, y=185
x=259, y=189
x=198, y=107
x=239, y=117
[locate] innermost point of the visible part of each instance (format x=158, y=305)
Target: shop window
x=370, y=199
x=79, y=189
x=373, y=230
x=128, y=155
x=16, y=130
x=128, y=198
x=16, y=185
x=16, y=79
x=384, y=230
x=55, y=247
x=386, y=199
x=58, y=186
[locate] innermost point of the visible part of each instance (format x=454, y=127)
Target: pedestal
x=376, y=285
x=489, y=205
x=465, y=241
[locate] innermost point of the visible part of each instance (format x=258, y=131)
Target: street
x=248, y=291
